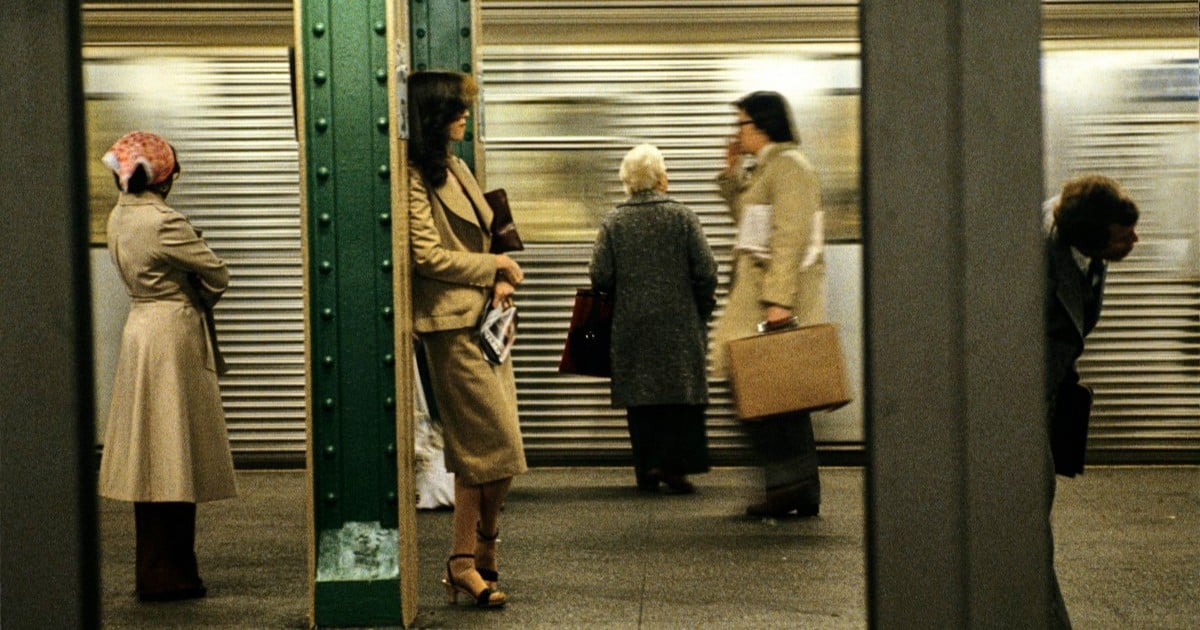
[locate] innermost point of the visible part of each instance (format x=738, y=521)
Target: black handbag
x=1069, y=428
x=589, y=336
x=504, y=231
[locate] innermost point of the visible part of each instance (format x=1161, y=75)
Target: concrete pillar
x=953, y=314
x=48, y=557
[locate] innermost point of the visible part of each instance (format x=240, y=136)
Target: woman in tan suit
x=166, y=448
x=455, y=278
x=779, y=274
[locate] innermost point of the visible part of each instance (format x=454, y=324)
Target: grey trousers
x=785, y=446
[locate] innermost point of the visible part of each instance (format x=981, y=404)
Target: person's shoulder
x=790, y=158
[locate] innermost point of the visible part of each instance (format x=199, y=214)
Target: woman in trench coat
x=652, y=256
x=166, y=447
x=454, y=279
x=779, y=273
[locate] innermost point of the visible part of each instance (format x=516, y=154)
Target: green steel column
x=359, y=361
x=342, y=75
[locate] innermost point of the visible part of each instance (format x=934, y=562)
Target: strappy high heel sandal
x=491, y=576
x=486, y=598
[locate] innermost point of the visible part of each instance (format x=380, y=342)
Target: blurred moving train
x=562, y=102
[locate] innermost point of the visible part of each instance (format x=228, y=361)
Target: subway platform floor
x=582, y=549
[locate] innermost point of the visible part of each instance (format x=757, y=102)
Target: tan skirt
x=477, y=404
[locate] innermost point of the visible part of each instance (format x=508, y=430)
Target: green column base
x=358, y=604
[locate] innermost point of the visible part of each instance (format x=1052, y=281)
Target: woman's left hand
x=502, y=293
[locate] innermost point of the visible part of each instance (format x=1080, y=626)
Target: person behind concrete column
x=1090, y=223
x=166, y=447
x=778, y=275
x=454, y=279
x=651, y=255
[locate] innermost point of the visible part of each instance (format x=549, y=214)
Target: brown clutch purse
x=504, y=231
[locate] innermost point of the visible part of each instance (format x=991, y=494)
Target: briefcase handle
x=787, y=324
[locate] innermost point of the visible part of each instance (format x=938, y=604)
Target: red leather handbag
x=589, y=336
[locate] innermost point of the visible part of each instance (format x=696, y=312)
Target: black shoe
x=780, y=503
x=678, y=484
x=173, y=595
x=486, y=598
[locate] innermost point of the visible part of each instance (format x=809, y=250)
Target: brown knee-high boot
x=166, y=556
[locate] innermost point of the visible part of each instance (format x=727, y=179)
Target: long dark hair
x=435, y=99
x=771, y=114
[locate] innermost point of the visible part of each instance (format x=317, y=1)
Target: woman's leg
x=460, y=568
x=492, y=496
x=166, y=551
x=641, y=420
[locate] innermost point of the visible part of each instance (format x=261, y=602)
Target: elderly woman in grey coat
x=651, y=254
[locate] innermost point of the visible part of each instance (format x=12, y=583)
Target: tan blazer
x=449, y=239
x=786, y=181
x=166, y=438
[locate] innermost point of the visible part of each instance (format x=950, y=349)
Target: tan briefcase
x=797, y=369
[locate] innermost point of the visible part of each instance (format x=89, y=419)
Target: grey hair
x=642, y=168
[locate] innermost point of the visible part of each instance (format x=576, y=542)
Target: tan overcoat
x=166, y=438
x=794, y=275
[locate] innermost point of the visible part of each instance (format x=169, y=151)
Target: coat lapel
x=1070, y=285
x=481, y=213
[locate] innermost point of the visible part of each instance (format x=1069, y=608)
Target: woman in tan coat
x=779, y=274
x=166, y=448
x=455, y=279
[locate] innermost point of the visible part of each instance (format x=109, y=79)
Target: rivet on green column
x=389, y=402
x=385, y=218
x=320, y=77
x=321, y=124
x=328, y=402
x=382, y=123
x=327, y=313
x=331, y=498
x=380, y=27
x=326, y=266
x=466, y=32
x=384, y=171
x=389, y=359
x=386, y=266
x=318, y=29
x=330, y=451
x=323, y=172
x=325, y=219
x=328, y=361
x=381, y=75
x=420, y=33
x=386, y=312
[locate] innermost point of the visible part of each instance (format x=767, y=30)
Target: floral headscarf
x=144, y=148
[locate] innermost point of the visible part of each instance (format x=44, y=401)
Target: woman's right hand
x=502, y=293
x=509, y=269
x=733, y=155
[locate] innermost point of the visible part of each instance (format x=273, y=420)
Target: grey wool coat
x=166, y=438
x=651, y=254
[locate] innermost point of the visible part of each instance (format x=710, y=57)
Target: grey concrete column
x=957, y=526
x=48, y=557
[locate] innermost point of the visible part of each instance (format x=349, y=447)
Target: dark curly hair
x=435, y=99
x=1086, y=208
x=770, y=113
